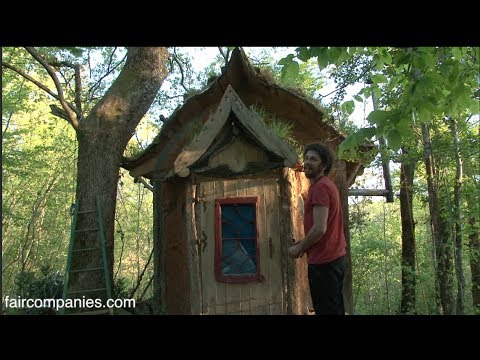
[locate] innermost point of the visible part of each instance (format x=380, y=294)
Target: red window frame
x=219, y=275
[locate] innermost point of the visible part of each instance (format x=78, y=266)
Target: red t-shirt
x=332, y=244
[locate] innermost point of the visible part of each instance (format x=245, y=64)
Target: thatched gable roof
x=253, y=89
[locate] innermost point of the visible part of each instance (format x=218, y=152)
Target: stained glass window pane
x=238, y=239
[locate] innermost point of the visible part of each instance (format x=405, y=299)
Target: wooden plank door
x=264, y=297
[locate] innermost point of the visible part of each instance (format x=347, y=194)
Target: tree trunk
x=347, y=280
x=159, y=244
x=474, y=245
x=385, y=161
x=457, y=219
x=407, y=170
x=439, y=234
x=102, y=138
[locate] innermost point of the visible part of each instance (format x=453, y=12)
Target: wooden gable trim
x=197, y=147
x=232, y=102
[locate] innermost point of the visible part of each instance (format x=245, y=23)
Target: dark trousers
x=326, y=287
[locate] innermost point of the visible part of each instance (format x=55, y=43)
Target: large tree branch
x=95, y=86
x=145, y=184
x=78, y=90
x=347, y=83
x=175, y=58
x=73, y=113
x=131, y=94
x=29, y=78
x=139, y=281
x=78, y=82
x=57, y=111
x=224, y=55
x=146, y=288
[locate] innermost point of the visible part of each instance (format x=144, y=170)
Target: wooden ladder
x=100, y=245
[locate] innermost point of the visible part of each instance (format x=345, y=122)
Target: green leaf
x=322, y=57
x=378, y=62
x=419, y=62
x=364, y=134
x=404, y=127
x=423, y=114
x=347, y=148
x=343, y=55
x=457, y=53
x=380, y=130
x=426, y=81
x=377, y=116
x=394, y=139
x=445, y=92
x=337, y=55
x=358, y=98
x=386, y=57
x=377, y=92
x=291, y=70
x=286, y=60
x=303, y=54
x=290, y=67
x=348, y=107
x=430, y=59
x=379, y=78
x=430, y=104
x=367, y=91
x=398, y=69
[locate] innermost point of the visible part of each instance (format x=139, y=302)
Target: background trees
x=104, y=117
x=422, y=94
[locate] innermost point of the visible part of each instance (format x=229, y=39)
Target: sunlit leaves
x=98, y=68
x=378, y=117
x=385, y=56
x=457, y=53
x=424, y=58
x=379, y=78
x=324, y=56
x=303, y=54
x=290, y=67
x=337, y=55
x=348, y=107
x=348, y=148
x=39, y=169
x=394, y=139
x=429, y=81
x=404, y=128
x=75, y=51
x=308, y=80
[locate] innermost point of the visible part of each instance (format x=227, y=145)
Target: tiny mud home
x=228, y=198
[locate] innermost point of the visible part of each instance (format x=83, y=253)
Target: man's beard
x=311, y=173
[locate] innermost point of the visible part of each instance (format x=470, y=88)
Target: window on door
x=236, y=240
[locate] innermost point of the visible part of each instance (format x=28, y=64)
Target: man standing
x=324, y=240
